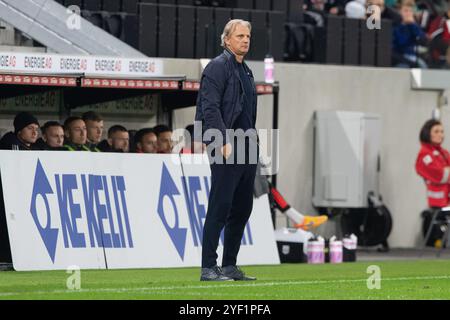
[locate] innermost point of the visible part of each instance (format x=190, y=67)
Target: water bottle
x=269, y=69
x=316, y=250
x=335, y=250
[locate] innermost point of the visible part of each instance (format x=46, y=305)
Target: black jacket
x=221, y=95
x=104, y=146
x=41, y=145
x=10, y=142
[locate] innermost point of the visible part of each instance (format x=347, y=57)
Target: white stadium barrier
x=113, y=211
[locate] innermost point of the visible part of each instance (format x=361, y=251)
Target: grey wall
x=383, y=91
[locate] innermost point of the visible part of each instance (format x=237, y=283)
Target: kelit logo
x=176, y=233
x=192, y=189
x=103, y=206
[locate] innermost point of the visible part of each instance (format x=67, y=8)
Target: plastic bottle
x=316, y=250
x=336, y=255
x=269, y=66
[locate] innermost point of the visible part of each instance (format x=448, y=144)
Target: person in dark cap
x=26, y=132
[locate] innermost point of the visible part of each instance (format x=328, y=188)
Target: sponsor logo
x=102, y=210
x=193, y=187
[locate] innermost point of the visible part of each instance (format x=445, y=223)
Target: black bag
x=371, y=225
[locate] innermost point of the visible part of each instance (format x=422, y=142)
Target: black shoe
x=236, y=274
x=213, y=274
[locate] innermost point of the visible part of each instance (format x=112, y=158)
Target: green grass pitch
x=424, y=279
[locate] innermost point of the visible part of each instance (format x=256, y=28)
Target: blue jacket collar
x=230, y=56
x=227, y=52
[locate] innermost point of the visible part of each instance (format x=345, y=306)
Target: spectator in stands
x=118, y=140
x=94, y=126
x=52, y=136
x=314, y=14
x=438, y=33
x=164, y=135
x=441, y=6
x=26, y=131
x=75, y=133
x=386, y=12
x=407, y=36
x=146, y=141
x=335, y=7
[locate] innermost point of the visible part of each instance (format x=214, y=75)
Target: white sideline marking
x=149, y=290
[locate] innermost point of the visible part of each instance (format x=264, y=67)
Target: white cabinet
x=346, y=158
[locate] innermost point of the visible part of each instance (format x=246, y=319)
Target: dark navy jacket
x=221, y=95
x=407, y=37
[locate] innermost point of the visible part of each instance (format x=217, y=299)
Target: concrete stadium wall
x=307, y=88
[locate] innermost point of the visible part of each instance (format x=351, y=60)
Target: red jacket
x=433, y=164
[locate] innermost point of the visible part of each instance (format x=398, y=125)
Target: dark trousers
x=230, y=205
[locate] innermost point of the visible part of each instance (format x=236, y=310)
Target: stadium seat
x=384, y=44
x=296, y=11
x=160, y=28
x=186, y=2
x=263, y=5
x=204, y=29
x=186, y=32
x=113, y=24
x=222, y=16
x=281, y=5
x=148, y=26
x=241, y=14
x=328, y=41
x=96, y=18
x=367, y=49
x=111, y=5
x=240, y=4
x=260, y=39
x=276, y=21
x=351, y=42
x=130, y=6
x=167, y=31
x=131, y=30
x=92, y=5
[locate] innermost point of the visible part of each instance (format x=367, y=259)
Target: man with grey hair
x=227, y=102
